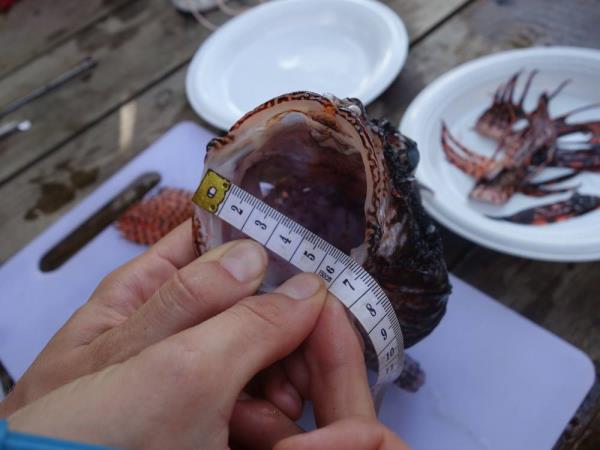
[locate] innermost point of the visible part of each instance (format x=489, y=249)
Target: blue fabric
x=3, y=432
x=10, y=440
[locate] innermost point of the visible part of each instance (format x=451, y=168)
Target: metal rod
x=11, y=127
x=85, y=65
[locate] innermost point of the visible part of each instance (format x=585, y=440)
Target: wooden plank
x=420, y=17
x=53, y=22
x=135, y=47
x=68, y=175
x=487, y=27
x=43, y=192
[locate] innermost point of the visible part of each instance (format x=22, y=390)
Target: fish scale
x=344, y=277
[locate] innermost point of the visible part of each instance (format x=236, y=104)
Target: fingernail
x=292, y=399
x=300, y=287
x=245, y=261
x=290, y=390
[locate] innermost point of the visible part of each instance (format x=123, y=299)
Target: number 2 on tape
x=346, y=279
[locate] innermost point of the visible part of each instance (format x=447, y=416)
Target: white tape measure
x=345, y=278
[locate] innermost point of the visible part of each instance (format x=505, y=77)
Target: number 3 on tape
x=346, y=279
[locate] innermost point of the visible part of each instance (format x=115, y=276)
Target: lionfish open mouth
x=320, y=161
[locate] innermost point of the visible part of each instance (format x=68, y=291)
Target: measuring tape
x=344, y=277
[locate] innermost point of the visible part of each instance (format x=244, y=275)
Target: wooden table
x=86, y=130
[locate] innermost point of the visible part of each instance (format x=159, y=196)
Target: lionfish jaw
x=495, y=195
x=349, y=180
x=498, y=189
x=496, y=121
x=461, y=157
x=576, y=205
x=578, y=159
x=504, y=112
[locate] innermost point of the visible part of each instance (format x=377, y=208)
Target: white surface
x=494, y=379
x=350, y=48
x=194, y=5
x=458, y=97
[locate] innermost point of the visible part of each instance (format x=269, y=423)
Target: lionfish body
x=322, y=162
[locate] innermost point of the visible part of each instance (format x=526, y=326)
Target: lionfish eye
x=412, y=157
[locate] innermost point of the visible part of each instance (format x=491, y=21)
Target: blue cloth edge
x=11, y=440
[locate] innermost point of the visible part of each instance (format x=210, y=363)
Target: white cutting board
x=494, y=379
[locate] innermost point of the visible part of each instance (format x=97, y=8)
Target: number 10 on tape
x=345, y=278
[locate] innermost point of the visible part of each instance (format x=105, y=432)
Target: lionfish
x=322, y=162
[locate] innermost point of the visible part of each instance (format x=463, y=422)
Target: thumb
x=202, y=289
x=256, y=331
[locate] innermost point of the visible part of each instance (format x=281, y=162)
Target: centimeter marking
x=345, y=278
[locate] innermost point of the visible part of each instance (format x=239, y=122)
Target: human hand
x=181, y=392
x=165, y=291
x=161, y=292
x=328, y=369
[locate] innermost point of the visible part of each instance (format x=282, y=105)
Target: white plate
x=458, y=97
x=350, y=48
